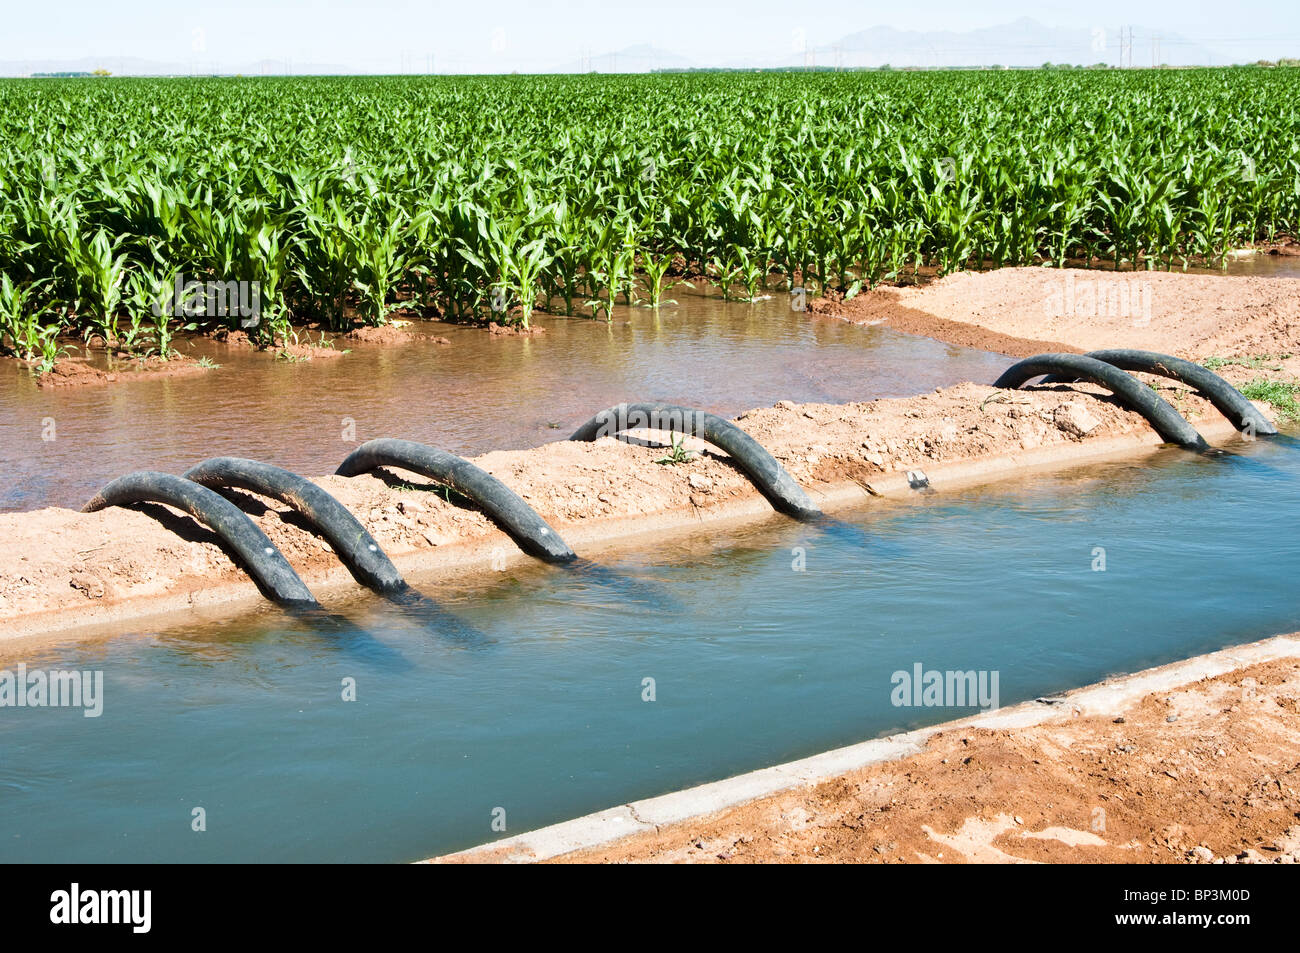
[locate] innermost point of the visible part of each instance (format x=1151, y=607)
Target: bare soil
x=77, y=372
x=1206, y=773
x=396, y=333
x=514, y=330
x=1025, y=311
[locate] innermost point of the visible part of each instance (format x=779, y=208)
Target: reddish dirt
x=1206, y=773
x=308, y=351
x=76, y=372
x=232, y=337
x=514, y=330
x=1024, y=311
x=395, y=333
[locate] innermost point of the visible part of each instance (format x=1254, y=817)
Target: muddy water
x=538, y=704
x=477, y=394
x=1258, y=266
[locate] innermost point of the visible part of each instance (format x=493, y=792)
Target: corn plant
x=466, y=185
x=655, y=267
x=23, y=330
x=100, y=276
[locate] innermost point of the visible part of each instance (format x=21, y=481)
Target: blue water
x=533, y=702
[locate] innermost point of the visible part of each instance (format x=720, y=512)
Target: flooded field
x=479, y=393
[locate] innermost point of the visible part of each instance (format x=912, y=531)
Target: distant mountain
x=641, y=58
x=1024, y=42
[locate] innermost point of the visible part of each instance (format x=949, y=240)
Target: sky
x=391, y=36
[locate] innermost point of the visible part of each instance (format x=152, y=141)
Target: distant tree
x=101, y=72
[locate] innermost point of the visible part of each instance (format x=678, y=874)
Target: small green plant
x=1260, y=362
x=655, y=268
x=164, y=333
x=677, y=454
x=524, y=268
x=20, y=318
x=451, y=495
x=100, y=278
x=1280, y=394
x=49, y=349
x=143, y=296
x=725, y=275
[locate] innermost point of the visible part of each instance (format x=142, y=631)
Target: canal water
x=558, y=692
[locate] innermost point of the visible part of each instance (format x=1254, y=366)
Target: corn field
x=484, y=198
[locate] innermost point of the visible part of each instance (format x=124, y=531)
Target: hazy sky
x=504, y=35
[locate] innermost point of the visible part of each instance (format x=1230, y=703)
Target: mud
x=398, y=332
x=73, y=372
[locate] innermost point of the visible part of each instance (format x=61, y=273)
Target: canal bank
x=1192, y=762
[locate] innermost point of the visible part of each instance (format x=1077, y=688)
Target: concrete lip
x=1107, y=697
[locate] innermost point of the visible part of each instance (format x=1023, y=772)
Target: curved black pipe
x=355, y=547
x=519, y=520
x=761, y=467
x=1231, y=402
x=261, y=560
x=1129, y=390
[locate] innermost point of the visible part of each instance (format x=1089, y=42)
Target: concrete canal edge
x=1106, y=698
